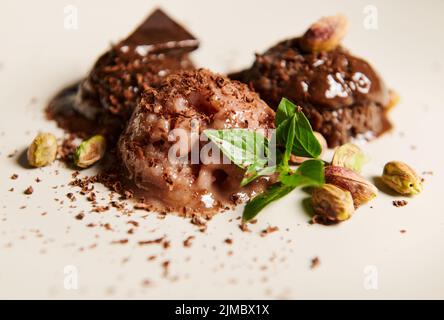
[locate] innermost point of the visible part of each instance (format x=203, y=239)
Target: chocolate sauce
x=342, y=95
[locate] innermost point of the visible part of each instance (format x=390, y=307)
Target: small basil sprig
x=243, y=147
x=255, y=205
x=246, y=149
x=305, y=143
x=309, y=173
x=249, y=150
x=252, y=173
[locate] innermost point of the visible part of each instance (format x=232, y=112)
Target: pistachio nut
x=90, y=151
x=394, y=99
x=325, y=34
x=361, y=190
x=43, y=150
x=298, y=160
x=349, y=156
x=332, y=203
x=401, y=178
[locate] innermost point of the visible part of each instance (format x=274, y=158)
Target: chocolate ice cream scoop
x=169, y=121
x=105, y=100
x=342, y=95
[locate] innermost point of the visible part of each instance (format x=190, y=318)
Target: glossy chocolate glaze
x=337, y=91
x=329, y=80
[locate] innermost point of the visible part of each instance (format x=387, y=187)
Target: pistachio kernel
x=90, y=151
x=401, y=178
x=349, y=156
x=43, y=150
x=332, y=203
x=325, y=34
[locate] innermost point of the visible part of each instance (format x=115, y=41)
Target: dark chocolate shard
x=159, y=33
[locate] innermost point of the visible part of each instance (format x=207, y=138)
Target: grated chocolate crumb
x=28, y=190
x=268, y=230
x=80, y=216
x=400, y=203
x=188, y=241
x=122, y=241
x=315, y=262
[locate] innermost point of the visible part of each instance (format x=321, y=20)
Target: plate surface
x=368, y=257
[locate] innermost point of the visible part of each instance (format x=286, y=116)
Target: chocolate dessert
x=177, y=132
x=342, y=95
x=193, y=100
x=104, y=101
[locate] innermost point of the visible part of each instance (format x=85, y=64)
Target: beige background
x=38, y=57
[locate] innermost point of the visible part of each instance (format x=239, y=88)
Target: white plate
x=365, y=258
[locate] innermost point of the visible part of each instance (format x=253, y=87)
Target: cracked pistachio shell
x=361, y=190
x=90, y=151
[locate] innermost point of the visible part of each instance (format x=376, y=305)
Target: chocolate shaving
x=315, y=262
x=166, y=244
x=198, y=221
x=399, y=203
x=148, y=242
x=244, y=227
x=268, y=230
x=188, y=241
x=91, y=197
x=165, y=266
x=134, y=223
x=67, y=148
x=100, y=209
x=71, y=196
x=28, y=190
x=80, y=216
x=122, y=241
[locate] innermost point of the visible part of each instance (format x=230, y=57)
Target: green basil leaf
x=243, y=147
x=305, y=143
x=254, y=172
x=309, y=173
x=285, y=110
x=291, y=129
x=255, y=205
